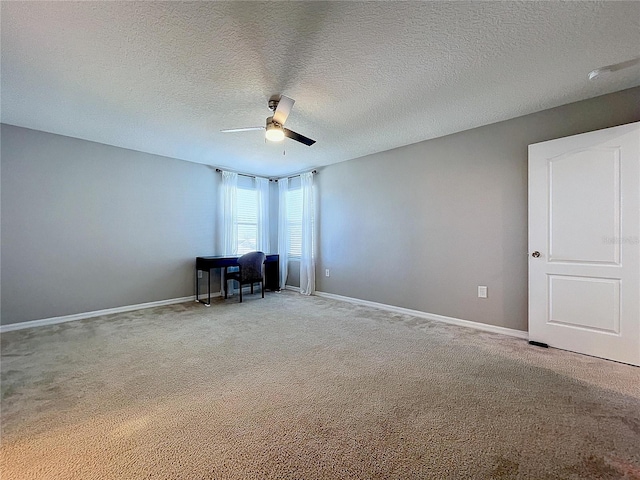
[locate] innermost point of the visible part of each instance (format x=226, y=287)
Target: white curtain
x=229, y=213
x=262, y=191
x=308, y=258
x=283, y=230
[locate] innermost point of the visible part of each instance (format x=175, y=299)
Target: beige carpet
x=305, y=388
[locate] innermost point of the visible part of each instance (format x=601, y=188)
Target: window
x=294, y=221
x=247, y=220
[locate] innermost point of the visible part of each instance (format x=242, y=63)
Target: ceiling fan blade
x=284, y=108
x=298, y=138
x=245, y=129
x=613, y=68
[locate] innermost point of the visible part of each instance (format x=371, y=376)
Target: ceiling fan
x=281, y=106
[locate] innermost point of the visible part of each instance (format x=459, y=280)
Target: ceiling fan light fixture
x=274, y=133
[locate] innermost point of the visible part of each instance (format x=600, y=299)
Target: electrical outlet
x=199, y=273
x=326, y=272
x=482, y=291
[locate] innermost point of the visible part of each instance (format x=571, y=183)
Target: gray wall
x=423, y=225
x=87, y=226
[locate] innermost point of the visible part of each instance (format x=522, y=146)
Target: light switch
x=482, y=291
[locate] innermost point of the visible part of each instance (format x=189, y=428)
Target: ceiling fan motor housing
x=271, y=123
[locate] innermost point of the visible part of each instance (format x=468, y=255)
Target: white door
x=584, y=243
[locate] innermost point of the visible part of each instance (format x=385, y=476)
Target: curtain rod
x=241, y=174
x=271, y=179
x=297, y=175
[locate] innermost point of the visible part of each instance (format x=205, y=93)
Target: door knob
x=535, y=254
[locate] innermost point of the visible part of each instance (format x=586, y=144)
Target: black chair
x=250, y=271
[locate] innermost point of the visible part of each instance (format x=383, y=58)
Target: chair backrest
x=251, y=266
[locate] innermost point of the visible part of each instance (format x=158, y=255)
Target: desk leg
x=208, y=302
x=197, y=286
x=209, y=289
x=226, y=283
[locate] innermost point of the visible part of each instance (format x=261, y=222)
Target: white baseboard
x=97, y=313
x=357, y=301
x=429, y=316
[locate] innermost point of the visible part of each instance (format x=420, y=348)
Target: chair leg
x=240, y=284
x=262, y=287
x=251, y=288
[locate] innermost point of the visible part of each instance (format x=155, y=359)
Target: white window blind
x=247, y=220
x=294, y=220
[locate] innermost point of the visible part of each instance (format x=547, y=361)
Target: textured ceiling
x=166, y=77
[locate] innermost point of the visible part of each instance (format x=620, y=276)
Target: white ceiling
x=166, y=77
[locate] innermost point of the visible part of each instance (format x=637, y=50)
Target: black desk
x=271, y=271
